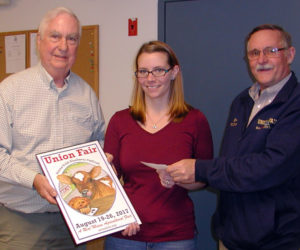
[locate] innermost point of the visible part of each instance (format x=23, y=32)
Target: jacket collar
x=282, y=96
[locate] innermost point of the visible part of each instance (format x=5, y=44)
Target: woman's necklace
x=154, y=124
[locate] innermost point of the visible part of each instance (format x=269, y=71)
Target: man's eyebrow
x=57, y=32
x=73, y=34
x=54, y=32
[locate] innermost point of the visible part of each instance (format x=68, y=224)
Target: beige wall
x=117, y=49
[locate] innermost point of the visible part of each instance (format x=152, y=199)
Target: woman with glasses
x=159, y=127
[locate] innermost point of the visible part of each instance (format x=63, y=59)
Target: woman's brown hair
x=178, y=108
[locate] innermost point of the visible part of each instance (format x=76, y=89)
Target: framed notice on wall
x=13, y=50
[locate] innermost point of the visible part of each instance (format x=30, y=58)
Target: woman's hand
x=110, y=158
x=165, y=179
x=131, y=229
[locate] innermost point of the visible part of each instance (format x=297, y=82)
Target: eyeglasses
x=157, y=72
x=268, y=52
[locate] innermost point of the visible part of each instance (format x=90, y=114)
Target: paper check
x=154, y=165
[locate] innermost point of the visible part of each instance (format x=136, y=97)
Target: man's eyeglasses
x=157, y=72
x=268, y=52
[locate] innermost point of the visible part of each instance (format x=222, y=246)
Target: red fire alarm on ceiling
x=132, y=26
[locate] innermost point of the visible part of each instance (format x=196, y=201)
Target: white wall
x=117, y=49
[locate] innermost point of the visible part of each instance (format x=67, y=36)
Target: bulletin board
x=87, y=62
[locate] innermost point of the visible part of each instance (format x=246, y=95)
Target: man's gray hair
x=51, y=14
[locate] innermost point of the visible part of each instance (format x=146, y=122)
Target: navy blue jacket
x=258, y=174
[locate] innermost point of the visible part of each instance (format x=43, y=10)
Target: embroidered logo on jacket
x=265, y=124
x=234, y=122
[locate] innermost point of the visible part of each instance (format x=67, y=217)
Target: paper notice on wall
x=33, y=50
x=15, y=57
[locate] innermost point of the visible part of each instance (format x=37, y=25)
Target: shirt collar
x=254, y=91
x=48, y=79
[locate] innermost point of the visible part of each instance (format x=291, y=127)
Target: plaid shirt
x=37, y=117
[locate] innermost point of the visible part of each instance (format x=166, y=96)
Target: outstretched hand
x=45, y=190
x=183, y=171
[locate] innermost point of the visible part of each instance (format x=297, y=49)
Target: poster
x=90, y=196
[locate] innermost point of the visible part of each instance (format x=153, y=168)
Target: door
x=208, y=38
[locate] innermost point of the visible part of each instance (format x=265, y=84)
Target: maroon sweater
x=166, y=214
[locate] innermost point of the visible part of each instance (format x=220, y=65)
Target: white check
x=154, y=165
